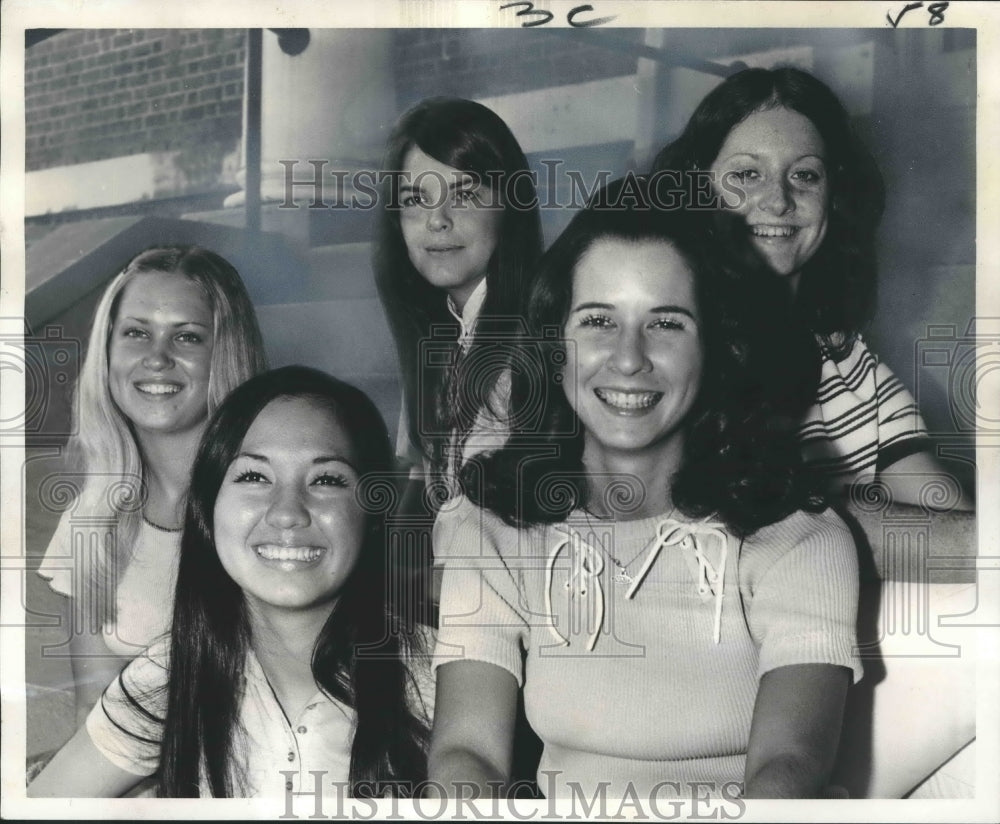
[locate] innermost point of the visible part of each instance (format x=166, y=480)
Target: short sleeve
x=482, y=610
x=126, y=725
x=57, y=563
x=803, y=608
x=864, y=419
x=901, y=428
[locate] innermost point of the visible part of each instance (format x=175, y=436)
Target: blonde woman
x=174, y=332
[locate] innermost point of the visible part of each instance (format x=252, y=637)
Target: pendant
x=622, y=576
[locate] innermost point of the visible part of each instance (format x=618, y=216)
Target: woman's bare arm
x=474, y=717
x=79, y=770
x=908, y=477
x=795, y=731
x=94, y=667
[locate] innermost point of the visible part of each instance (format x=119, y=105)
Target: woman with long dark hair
x=286, y=651
x=642, y=559
x=801, y=200
x=457, y=241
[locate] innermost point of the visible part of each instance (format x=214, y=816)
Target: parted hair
x=472, y=138
x=211, y=632
x=104, y=448
x=741, y=459
x=837, y=289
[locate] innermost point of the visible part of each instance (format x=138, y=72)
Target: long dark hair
x=211, y=633
x=471, y=138
x=741, y=460
x=837, y=290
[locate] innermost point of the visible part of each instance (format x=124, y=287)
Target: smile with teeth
x=628, y=400
x=158, y=388
x=272, y=552
x=773, y=231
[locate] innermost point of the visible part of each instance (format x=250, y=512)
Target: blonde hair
x=104, y=449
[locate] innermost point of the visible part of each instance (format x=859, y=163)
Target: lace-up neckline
x=587, y=567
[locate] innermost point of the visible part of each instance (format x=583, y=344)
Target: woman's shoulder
x=465, y=529
x=816, y=545
x=155, y=539
x=57, y=562
x=460, y=513
x=155, y=658
x=79, y=527
x=824, y=530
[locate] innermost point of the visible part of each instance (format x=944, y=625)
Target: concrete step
x=347, y=337
x=340, y=271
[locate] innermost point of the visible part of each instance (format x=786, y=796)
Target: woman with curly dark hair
x=287, y=654
x=458, y=239
x=640, y=561
x=801, y=200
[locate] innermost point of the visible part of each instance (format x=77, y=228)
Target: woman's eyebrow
x=322, y=459
x=253, y=456
x=457, y=181
x=134, y=319
x=680, y=310
x=592, y=305
x=757, y=157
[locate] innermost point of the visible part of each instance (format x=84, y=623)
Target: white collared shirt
x=469, y=315
x=467, y=319
x=274, y=751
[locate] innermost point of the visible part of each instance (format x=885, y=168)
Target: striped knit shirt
x=863, y=421
x=659, y=686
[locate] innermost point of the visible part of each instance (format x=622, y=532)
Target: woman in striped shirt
x=801, y=198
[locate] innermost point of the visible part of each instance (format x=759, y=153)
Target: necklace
x=158, y=527
x=622, y=575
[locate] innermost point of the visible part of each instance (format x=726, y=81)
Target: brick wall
x=99, y=93
x=492, y=62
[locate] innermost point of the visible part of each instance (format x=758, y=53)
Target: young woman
x=638, y=561
x=285, y=654
x=174, y=332
x=457, y=242
x=801, y=200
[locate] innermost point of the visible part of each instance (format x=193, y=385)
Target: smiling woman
x=776, y=157
x=160, y=353
x=287, y=527
x=173, y=333
x=644, y=563
x=289, y=663
x=801, y=198
x=633, y=348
